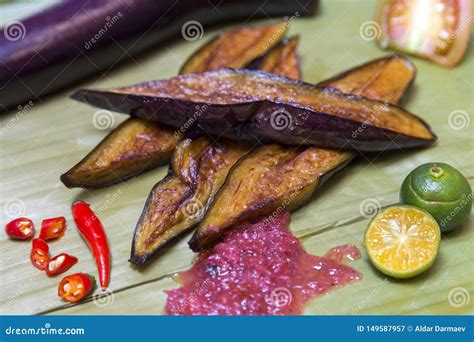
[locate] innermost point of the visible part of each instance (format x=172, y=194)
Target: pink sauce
x=343, y=252
x=259, y=268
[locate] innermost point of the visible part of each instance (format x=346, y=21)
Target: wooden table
x=39, y=145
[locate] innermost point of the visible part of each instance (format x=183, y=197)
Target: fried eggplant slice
x=275, y=177
x=272, y=177
x=283, y=59
x=385, y=79
x=235, y=49
x=179, y=201
x=134, y=147
x=244, y=104
x=111, y=161
x=195, y=180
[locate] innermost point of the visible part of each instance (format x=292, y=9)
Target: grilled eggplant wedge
x=275, y=178
x=179, y=201
x=245, y=104
x=133, y=147
x=272, y=177
x=198, y=170
x=236, y=48
x=283, y=59
x=385, y=79
x=118, y=157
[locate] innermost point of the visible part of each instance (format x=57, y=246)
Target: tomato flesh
x=434, y=29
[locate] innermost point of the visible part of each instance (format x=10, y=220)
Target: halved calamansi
x=402, y=241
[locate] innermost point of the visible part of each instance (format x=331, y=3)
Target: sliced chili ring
x=75, y=287
x=53, y=228
x=21, y=228
x=39, y=255
x=60, y=264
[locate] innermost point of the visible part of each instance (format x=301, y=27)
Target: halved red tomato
x=437, y=30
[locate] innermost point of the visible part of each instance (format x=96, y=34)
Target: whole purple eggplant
x=75, y=39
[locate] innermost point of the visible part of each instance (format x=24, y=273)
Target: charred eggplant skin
x=320, y=116
x=62, y=39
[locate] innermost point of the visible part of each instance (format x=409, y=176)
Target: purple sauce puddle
x=259, y=268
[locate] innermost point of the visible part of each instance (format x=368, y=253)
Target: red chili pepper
x=53, y=228
x=92, y=231
x=21, y=228
x=39, y=254
x=60, y=264
x=75, y=287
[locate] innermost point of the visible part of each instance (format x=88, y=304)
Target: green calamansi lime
x=402, y=241
x=441, y=190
